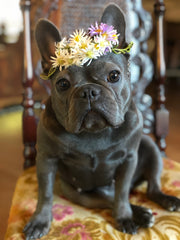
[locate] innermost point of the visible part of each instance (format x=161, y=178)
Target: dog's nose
x=89, y=92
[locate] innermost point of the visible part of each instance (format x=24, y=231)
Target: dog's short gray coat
x=91, y=131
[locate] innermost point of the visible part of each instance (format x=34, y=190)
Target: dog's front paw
x=38, y=226
x=142, y=216
x=126, y=225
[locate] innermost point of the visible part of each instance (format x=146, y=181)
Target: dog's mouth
x=93, y=122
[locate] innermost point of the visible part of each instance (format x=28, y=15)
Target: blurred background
x=11, y=59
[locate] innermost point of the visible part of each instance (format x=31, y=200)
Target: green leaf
x=44, y=76
x=123, y=50
x=50, y=73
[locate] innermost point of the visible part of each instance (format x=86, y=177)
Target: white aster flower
x=62, y=44
x=89, y=54
x=102, y=45
x=86, y=41
x=77, y=38
x=62, y=59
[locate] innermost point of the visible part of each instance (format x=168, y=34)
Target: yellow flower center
x=90, y=54
x=98, y=30
x=61, y=61
x=96, y=46
x=83, y=45
x=114, y=36
x=77, y=38
x=105, y=35
x=102, y=44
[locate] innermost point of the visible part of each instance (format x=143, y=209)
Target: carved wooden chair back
x=69, y=16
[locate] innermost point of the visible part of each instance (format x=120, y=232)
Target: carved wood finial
x=159, y=7
x=25, y=4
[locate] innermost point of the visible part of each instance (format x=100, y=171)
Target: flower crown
x=83, y=47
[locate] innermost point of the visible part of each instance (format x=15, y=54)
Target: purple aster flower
x=106, y=31
x=94, y=30
x=106, y=28
x=109, y=33
x=107, y=50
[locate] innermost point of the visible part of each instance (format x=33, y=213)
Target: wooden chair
x=69, y=16
x=66, y=16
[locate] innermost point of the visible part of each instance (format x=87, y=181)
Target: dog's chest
x=88, y=169
x=111, y=157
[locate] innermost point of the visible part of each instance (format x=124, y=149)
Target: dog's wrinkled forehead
x=102, y=62
x=97, y=70
x=116, y=60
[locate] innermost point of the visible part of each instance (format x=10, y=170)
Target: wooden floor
x=11, y=148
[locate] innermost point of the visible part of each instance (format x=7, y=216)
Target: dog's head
x=94, y=96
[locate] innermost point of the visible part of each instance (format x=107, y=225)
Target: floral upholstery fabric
x=73, y=222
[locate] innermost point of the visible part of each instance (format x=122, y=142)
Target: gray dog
x=91, y=131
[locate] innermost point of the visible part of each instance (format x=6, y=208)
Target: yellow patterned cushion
x=73, y=222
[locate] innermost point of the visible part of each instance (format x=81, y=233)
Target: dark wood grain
x=161, y=113
x=29, y=119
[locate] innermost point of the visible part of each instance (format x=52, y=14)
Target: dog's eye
x=114, y=76
x=63, y=84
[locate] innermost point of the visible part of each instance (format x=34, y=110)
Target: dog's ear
x=114, y=16
x=46, y=35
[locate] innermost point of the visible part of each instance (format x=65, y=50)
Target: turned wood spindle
x=29, y=120
x=161, y=113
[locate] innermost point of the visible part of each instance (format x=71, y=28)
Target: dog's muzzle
x=92, y=108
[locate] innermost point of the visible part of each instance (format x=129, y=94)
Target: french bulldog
x=91, y=133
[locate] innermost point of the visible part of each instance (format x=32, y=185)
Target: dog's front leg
x=40, y=222
x=122, y=209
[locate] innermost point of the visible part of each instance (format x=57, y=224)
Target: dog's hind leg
x=154, y=193
x=152, y=173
